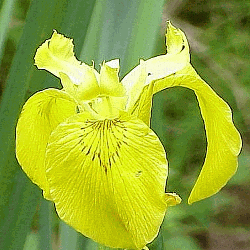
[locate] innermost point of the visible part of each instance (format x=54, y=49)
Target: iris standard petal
x=107, y=179
x=142, y=108
x=109, y=79
x=134, y=83
x=223, y=139
x=56, y=55
x=40, y=115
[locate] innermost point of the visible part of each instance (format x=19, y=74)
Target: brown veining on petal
x=102, y=141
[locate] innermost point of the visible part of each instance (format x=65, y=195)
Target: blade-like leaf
x=68, y=237
x=122, y=29
x=45, y=224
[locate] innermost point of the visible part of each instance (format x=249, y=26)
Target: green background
x=218, y=33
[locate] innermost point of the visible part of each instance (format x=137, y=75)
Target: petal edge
x=40, y=115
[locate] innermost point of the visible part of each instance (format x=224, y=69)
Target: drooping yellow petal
x=40, y=115
x=56, y=56
x=223, y=139
x=177, y=58
x=109, y=80
x=107, y=179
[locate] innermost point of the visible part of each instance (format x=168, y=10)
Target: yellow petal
x=107, y=179
x=109, y=80
x=40, y=115
x=223, y=139
x=56, y=55
x=177, y=58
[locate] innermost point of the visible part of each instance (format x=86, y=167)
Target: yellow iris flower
x=90, y=148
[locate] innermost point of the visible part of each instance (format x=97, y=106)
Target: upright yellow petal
x=142, y=108
x=107, y=179
x=223, y=139
x=109, y=80
x=40, y=115
x=134, y=83
x=56, y=55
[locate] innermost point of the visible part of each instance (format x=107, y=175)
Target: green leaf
x=22, y=200
x=32, y=242
x=181, y=242
x=46, y=224
x=68, y=237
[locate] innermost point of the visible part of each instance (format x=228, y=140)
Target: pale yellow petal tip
x=57, y=36
x=191, y=199
x=194, y=197
x=172, y=199
x=55, y=33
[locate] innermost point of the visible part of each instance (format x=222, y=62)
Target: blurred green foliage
x=218, y=32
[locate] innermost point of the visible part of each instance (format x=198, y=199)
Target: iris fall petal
x=101, y=175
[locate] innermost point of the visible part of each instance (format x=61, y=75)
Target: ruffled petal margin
x=56, y=55
x=107, y=179
x=39, y=117
x=223, y=139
